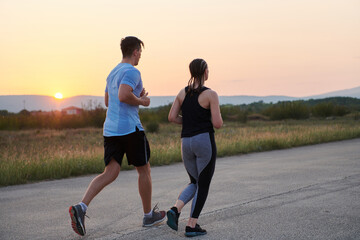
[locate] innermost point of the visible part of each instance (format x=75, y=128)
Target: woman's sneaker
x=77, y=219
x=156, y=217
x=193, y=232
x=173, y=218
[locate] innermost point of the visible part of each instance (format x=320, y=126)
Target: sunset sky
x=253, y=47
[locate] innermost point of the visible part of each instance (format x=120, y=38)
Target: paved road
x=310, y=192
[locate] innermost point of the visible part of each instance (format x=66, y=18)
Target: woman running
x=200, y=113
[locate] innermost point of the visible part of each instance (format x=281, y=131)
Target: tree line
x=152, y=117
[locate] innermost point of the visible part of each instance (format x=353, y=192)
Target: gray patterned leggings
x=199, y=157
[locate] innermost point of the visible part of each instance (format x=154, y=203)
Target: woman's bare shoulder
x=210, y=93
x=181, y=95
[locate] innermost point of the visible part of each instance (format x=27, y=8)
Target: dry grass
x=34, y=155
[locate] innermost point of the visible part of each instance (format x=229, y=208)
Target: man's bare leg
x=98, y=183
x=145, y=186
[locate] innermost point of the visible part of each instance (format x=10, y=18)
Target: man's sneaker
x=173, y=218
x=193, y=232
x=77, y=219
x=156, y=217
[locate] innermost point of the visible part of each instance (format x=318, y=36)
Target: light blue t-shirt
x=121, y=118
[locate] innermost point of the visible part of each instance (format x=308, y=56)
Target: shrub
x=324, y=109
x=159, y=114
x=287, y=110
x=257, y=116
x=340, y=111
x=356, y=116
x=4, y=113
x=152, y=127
x=233, y=113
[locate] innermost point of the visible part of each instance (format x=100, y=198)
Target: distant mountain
x=244, y=99
x=352, y=92
x=16, y=103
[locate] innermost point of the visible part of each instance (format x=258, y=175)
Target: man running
x=123, y=134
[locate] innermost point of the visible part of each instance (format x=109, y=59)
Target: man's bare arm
x=126, y=95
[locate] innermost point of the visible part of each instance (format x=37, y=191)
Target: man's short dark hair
x=129, y=44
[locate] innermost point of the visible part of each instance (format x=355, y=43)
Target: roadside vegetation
x=30, y=152
x=34, y=155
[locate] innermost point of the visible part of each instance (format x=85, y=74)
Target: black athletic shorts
x=134, y=145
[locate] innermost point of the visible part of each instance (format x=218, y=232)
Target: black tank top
x=196, y=119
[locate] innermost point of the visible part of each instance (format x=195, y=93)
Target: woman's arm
x=215, y=110
x=176, y=107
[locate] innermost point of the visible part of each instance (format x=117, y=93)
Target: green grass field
x=34, y=155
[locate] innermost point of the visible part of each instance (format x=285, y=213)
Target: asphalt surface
x=310, y=192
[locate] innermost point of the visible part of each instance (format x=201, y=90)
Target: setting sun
x=58, y=96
